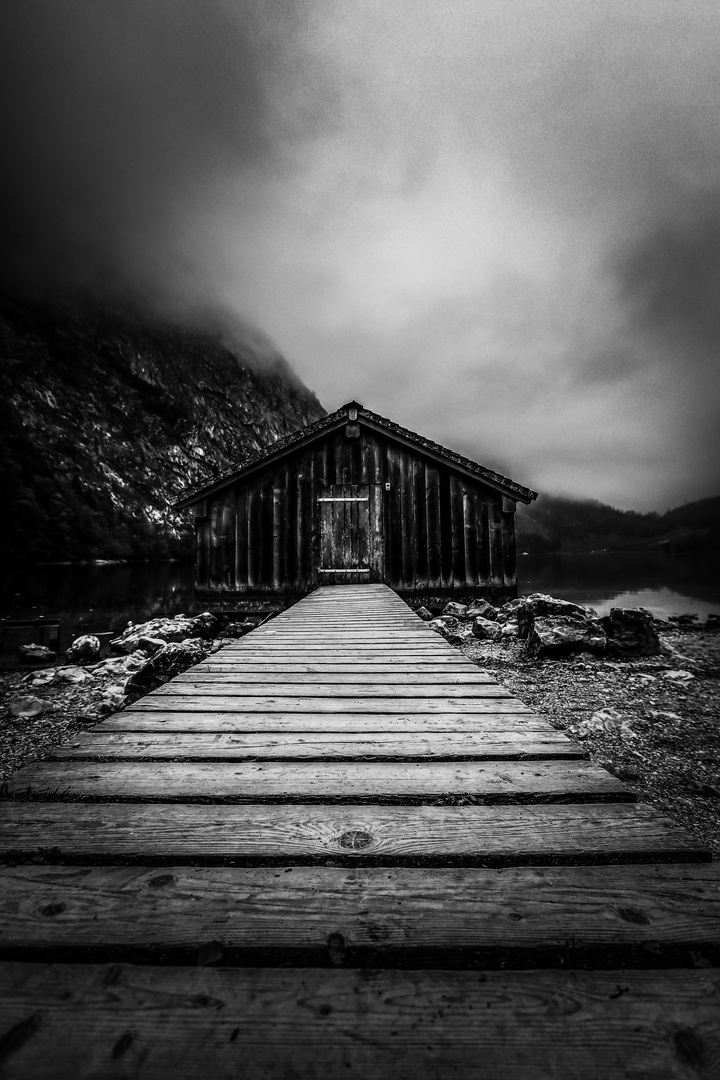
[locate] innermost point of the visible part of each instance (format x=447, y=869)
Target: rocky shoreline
x=652, y=719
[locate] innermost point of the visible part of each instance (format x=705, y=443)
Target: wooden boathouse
x=355, y=499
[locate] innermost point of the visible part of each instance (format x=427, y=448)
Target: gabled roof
x=370, y=420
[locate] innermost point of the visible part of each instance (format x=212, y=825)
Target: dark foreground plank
x=300, y=781
x=419, y=745
x=390, y=835
x=153, y=714
x=405, y=910
x=64, y=1021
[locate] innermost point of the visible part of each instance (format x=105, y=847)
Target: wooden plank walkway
x=338, y=848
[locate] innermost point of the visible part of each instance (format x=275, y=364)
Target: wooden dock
x=337, y=848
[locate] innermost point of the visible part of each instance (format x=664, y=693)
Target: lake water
x=93, y=599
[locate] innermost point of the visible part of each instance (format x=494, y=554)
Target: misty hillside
x=554, y=523
x=106, y=417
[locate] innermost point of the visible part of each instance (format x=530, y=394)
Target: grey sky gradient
x=495, y=221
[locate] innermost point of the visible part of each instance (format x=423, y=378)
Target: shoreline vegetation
x=651, y=720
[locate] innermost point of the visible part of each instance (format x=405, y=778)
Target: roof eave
x=329, y=423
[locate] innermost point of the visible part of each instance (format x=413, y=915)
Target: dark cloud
x=670, y=278
x=116, y=118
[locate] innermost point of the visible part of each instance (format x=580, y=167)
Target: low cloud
x=496, y=222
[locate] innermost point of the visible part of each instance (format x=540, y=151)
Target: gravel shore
x=653, y=722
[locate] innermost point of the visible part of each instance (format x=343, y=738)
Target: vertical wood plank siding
x=437, y=529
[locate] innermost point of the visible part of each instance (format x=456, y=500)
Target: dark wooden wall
x=442, y=532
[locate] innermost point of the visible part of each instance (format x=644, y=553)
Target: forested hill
x=554, y=523
x=106, y=416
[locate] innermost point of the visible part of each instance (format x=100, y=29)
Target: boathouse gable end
x=354, y=498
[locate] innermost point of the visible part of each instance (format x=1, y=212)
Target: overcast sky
x=496, y=222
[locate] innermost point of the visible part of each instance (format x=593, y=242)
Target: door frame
x=374, y=536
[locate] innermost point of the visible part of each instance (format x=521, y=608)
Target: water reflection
x=93, y=599
x=665, y=583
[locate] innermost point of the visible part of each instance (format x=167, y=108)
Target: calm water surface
x=91, y=599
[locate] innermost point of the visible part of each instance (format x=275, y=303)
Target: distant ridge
x=557, y=523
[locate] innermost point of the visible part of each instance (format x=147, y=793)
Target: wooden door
x=349, y=545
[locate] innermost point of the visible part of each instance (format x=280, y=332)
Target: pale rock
x=424, y=613
x=179, y=628
x=112, y=700
x=36, y=654
x=605, y=721
x=42, y=678
x=115, y=665
x=28, y=706
x=451, y=629
x=678, y=676
x=171, y=660
x=73, y=674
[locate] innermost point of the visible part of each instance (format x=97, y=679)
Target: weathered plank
x=189, y=685
x=176, y=719
x=320, y=667
x=478, y=745
x=408, y=910
x=228, y=677
x=65, y=1021
x=391, y=835
x=357, y=781
x=317, y=705
x=211, y=702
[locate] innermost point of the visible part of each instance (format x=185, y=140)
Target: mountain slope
x=106, y=416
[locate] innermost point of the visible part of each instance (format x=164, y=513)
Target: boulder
x=454, y=610
x=181, y=628
x=630, y=632
x=486, y=629
x=424, y=613
x=171, y=660
x=560, y=635
x=510, y=607
x=540, y=605
x=83, y=649
x=483, y=608
x=36, y=654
